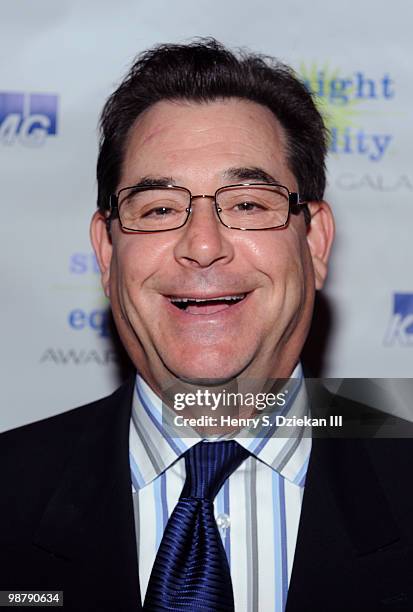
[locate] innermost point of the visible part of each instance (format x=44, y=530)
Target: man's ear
x=102, y=245
x=320, y=235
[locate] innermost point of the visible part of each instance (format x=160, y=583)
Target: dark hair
x=203, y=71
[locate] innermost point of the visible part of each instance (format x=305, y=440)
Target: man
x=212, y=236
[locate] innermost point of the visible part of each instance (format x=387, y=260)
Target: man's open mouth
x=206, y=306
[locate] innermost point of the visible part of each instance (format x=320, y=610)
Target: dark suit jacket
x=66, y=517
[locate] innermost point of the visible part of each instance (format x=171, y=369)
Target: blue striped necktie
x=191, y=570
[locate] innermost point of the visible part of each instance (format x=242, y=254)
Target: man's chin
x=209, y=375
x=206, y=381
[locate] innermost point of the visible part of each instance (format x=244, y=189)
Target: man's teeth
x=227, y=298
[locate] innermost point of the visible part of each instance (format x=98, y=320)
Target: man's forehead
x=229, y=140
x=168, y=116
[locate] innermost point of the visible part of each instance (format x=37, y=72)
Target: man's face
x=204, y=147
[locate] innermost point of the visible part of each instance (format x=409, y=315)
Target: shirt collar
x=153, y=450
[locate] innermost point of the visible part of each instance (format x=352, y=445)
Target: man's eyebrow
x=251, y=173
x=242, y=173
x=158, y=181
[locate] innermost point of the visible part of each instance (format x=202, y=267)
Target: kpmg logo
x=345, y=101
x=400, y=329
x=27, y=119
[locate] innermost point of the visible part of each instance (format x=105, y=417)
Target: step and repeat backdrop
x=58, y=63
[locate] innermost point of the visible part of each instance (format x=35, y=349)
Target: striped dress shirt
x=257, y=509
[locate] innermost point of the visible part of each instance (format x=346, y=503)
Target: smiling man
x=212, y=237
x=210, y=262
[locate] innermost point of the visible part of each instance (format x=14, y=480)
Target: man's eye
x=249, y=207
x=160, y=211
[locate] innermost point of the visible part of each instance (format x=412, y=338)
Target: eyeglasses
x=247, y=206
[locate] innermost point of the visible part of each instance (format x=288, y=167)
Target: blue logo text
x=27, y=118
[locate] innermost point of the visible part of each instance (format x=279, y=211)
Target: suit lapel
x=88, y=521
x=349, y=549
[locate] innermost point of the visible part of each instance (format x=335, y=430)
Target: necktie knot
x=208, y=465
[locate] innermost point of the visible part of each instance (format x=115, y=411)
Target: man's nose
x=204, y=240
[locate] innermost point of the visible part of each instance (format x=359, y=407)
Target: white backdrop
x=58, y=63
